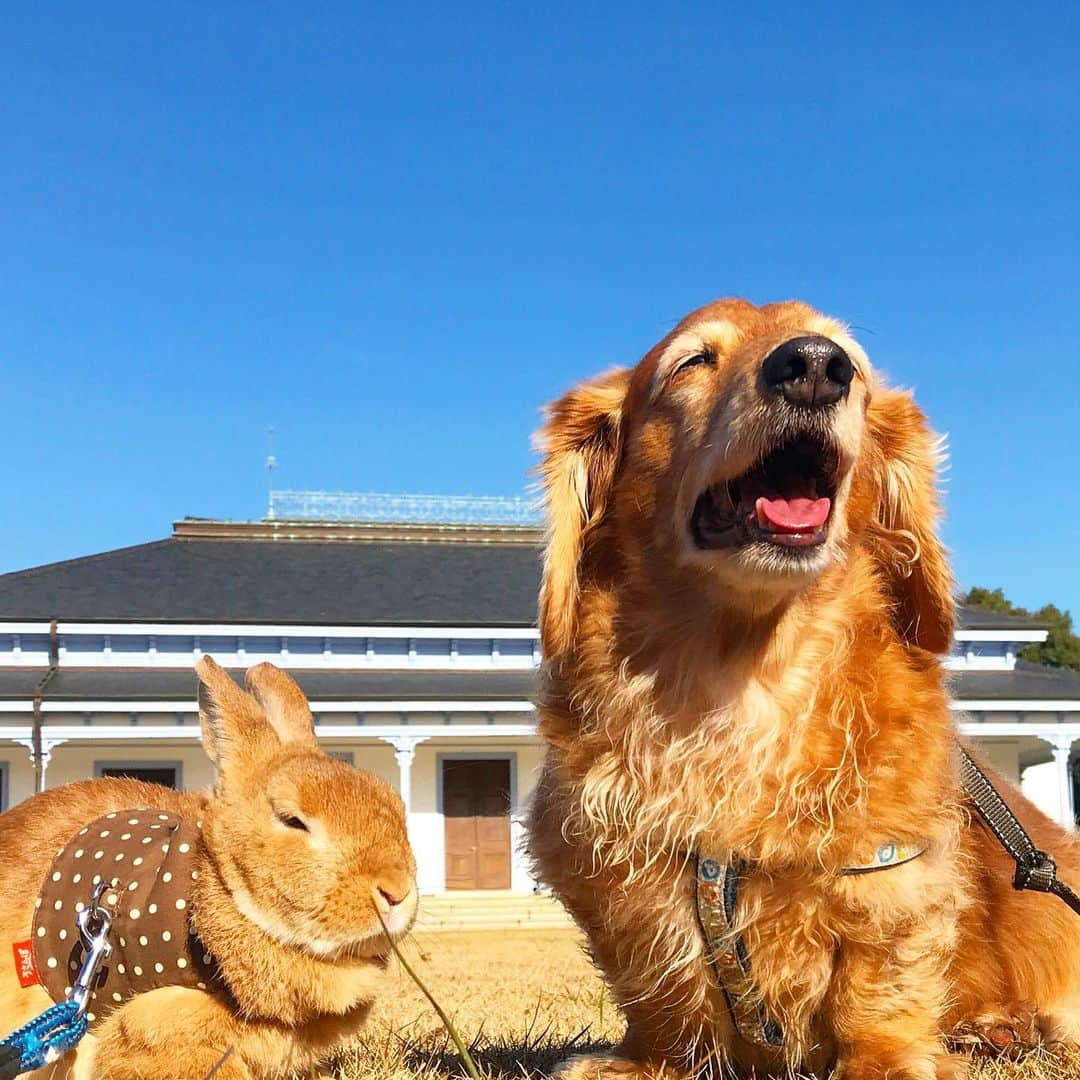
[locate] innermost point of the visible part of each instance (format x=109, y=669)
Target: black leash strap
x=1035, y=870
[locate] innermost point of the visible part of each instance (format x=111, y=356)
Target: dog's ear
x=581, y=441
x=904, y=456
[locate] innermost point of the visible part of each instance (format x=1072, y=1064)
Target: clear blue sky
x=395, y=236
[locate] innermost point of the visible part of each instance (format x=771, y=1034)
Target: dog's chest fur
x=794, y=773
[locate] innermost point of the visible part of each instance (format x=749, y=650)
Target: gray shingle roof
x=970, y=618
x=290, y=582
x=18, y=684
x=334, y=582
x=1027, y=682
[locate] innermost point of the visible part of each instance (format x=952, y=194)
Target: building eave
x=190, y=705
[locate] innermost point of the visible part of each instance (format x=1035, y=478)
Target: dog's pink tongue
x=792, y=515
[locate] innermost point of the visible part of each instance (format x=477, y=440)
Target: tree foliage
x=1061, y=647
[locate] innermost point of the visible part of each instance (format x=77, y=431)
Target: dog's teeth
x=759, y=512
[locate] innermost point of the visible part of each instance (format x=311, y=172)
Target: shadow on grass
x=530, y=1059
x=434, y=1057
x=536, y=1058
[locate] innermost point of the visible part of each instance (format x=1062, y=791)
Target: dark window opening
x=165, y=775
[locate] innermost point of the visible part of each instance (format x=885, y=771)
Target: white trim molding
x=1030, y=636
x=1010, y=729
x=1016, y=706
x=163, y=629
x=88, y=706
x=404, y=706
x=393, y=734
x=346, y=648
x=168, y=629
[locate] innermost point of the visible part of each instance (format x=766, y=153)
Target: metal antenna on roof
x=271, y=465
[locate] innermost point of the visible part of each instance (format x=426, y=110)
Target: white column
x=404, y=753
x=46, y=754
x=424, y=836
x=1062, y=747
x=404, y=756
x=47, y=745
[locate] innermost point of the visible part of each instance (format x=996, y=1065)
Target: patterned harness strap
x=717, y=901
x=145, y=859
x=717, y=897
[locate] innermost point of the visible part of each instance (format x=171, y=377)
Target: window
x=3, y=786
x=166, y=773
x=341, y=755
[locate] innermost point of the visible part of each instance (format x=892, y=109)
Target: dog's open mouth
x=786, y=499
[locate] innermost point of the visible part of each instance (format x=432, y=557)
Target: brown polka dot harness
x=147, y=859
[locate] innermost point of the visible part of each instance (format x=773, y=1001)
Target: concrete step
x=491, y=911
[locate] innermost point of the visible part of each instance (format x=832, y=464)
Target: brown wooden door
x=476, y=805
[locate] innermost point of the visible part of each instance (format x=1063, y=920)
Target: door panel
x=476, y=805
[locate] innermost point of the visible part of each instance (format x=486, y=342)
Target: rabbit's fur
x=299, y=854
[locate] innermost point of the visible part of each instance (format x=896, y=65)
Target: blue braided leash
x=59, y=1028
x=42, y=1040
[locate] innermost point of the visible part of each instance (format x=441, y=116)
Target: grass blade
x=466, y=1057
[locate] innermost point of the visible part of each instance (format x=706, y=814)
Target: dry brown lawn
x=524, y=1002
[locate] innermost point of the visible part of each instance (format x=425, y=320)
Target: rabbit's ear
x=283, y=703
x=229, y=718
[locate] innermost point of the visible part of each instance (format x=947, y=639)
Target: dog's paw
x=1008, y=1033
x=938, y=1067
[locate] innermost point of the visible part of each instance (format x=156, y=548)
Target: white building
x=416, y=644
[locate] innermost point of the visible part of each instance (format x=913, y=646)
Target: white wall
x=426, y=824
x=1039, y=781
x=530, y=760
x=1042, y=786
x=375, y=758
x=1003, y=754
x=75, y=761
x=20, y=773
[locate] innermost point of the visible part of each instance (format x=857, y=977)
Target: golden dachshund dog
x=744, y=606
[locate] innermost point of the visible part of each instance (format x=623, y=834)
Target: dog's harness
x=1036, y=871
x=717, y=894
x=145, y=859
x=717, y=897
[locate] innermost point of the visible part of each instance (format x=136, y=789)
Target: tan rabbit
x=245, y=931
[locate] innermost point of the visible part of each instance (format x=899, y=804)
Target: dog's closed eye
x=696, y=360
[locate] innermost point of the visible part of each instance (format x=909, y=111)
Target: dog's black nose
x=808, y=371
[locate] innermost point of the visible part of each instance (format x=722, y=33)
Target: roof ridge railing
x=384, y=507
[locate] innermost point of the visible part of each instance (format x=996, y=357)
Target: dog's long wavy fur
x=724, y=702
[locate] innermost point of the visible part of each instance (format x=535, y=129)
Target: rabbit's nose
x=392, y=900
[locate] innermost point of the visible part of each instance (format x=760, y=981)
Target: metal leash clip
x=1038, y=876
x=94, y=922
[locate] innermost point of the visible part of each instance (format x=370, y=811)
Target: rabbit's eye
x=293, y=822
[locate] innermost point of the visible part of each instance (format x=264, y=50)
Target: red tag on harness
x=25, y=969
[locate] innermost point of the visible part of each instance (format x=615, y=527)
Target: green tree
x=1061, y=647
x=991, y=600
